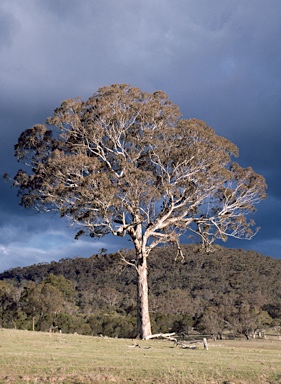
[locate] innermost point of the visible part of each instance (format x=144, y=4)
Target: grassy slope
x=33, y=357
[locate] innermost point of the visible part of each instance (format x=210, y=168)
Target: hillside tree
x=125, y=163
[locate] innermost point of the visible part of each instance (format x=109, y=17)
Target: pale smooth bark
x=143, y=324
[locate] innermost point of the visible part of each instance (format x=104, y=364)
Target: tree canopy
x=124, y=162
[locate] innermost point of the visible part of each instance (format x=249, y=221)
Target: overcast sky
x=219, y=60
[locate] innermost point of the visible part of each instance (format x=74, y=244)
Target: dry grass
x=33, y=357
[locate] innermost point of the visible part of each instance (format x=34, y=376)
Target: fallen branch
x=163, y=336
x=138, y=346
x=133, y=346
x=184, y=346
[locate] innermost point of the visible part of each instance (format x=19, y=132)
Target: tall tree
x=8, y=304
x=124, y=162
x=52, y=296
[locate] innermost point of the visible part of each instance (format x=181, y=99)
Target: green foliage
x=8, y=304
x=228, y=291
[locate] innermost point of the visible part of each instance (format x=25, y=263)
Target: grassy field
x=35, y=357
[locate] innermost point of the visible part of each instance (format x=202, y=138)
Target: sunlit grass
x=35, y=357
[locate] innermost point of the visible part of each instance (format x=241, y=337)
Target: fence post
x=205, y=344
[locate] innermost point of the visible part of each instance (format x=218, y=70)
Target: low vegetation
x=38, y=357
x=226, y=293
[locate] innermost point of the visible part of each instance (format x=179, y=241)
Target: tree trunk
x=143, y=325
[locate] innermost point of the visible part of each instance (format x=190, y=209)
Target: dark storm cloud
x=219, y=61
x=8, y=27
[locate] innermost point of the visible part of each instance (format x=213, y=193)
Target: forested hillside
x=227, y=291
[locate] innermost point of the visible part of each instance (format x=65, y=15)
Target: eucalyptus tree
x=124, y=162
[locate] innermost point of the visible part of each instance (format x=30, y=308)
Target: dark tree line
x=228, y=292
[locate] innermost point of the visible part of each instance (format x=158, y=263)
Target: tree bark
x=143, y=324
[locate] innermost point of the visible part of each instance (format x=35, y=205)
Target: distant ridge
x=224, y=282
